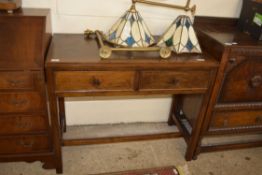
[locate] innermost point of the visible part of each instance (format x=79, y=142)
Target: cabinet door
x=21, y=42
x=243, y=79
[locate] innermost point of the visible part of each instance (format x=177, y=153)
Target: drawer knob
x=96, y=82
x=259, y=119
x=256, y=81
x=173, y=81
x=27, y=144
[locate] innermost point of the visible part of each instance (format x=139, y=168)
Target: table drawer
x=174, y=80
x=24, y=144
x=95, y=80
x=16, y=80
x=22, y=124
x=21, y=102
x=225, y=119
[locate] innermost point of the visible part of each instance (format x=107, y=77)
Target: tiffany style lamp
x=130, y=30
x=180, y=37
x=130, y=33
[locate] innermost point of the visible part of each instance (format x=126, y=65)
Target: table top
x=73, y=50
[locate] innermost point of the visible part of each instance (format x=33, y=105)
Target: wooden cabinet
x=24, y=123
x=235, y=106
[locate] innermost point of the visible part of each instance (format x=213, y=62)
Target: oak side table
x=74, y=69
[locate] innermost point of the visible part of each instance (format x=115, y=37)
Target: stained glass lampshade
x=180, y=37
x=130, y=31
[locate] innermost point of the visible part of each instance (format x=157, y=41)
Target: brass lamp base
x=105, y=50
x=10, y=5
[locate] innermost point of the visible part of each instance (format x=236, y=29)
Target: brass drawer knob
x=256, y=81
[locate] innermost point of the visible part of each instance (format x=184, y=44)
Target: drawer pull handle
x=15, y=83
x=259, y=119
x=256, y=81
x=232, y=60
x=28, y=144
x=23, y=125
x=96, y=82
x=18, y=102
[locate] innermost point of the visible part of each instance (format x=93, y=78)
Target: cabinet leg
x=55, y=121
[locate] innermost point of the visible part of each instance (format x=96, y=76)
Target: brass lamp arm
x=185, y=8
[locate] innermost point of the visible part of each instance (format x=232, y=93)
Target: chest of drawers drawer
x=241, y=118
x=16, y=80
x=94, y=81
x=21, y=102
x=243, y=80
x=22, y=124
x=174, y=80
x=24, y=144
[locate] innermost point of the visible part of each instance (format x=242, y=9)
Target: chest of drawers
x=235, y=107
x=24, y=132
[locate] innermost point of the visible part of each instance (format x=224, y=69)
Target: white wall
x=74, y=16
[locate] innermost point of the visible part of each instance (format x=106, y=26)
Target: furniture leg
x=61, y=103
x=171, y=121
x=55, y=123
x=197, y=130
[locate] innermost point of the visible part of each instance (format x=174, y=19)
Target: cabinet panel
x=21, y=42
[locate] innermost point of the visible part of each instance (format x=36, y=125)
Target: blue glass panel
x=130, y=41
x=112, y=36
x=187, y=24
x=189, y=45
x=147, y=38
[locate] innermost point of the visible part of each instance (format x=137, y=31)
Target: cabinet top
x=73, y=50
x=34, y=12
x=225, y=35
